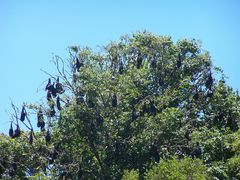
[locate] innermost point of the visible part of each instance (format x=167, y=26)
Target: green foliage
x=235, y=145
x=218, y=171
x=215, y=143
x=21, y=159
x=233, y=167
x=178, y=169
x=130, y=175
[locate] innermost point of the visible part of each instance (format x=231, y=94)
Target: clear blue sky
x=30, y=31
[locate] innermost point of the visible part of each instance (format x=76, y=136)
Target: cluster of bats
x=53, y=91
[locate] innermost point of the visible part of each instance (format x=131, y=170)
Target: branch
x=16, y=110
x=62, y=71
x=48, y=74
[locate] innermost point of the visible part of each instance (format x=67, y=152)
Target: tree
x=141, y=101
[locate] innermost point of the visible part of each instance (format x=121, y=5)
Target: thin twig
x=48, y=74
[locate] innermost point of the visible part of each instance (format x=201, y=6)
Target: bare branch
x=62, y=71
x=16, y=110
x=48, y=74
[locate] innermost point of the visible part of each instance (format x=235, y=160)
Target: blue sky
x=30, y=31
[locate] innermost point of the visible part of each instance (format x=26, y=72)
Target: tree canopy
x=142, y=107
